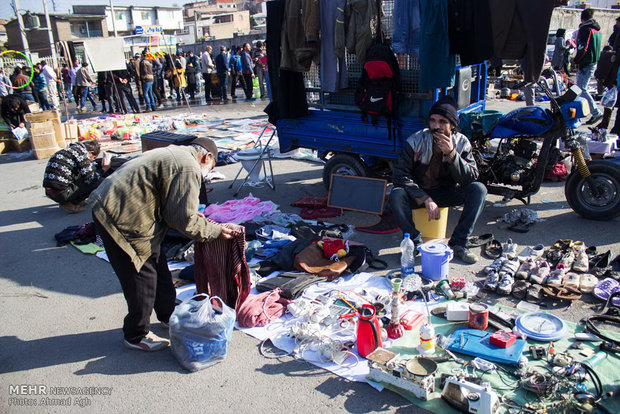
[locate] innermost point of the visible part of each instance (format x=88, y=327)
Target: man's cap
x=208, y=144
x=446, y=107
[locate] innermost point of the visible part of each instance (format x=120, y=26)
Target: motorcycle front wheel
x=596, y=198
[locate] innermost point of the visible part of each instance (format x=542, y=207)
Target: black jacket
x=415, y=156
x=12, y=116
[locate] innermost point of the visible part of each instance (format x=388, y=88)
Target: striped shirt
x=149, y=195
x=69, y=165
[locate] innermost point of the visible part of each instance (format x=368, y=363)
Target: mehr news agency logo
x=40, y=395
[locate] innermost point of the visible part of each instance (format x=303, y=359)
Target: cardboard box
x=51, y=115
x=70, y=132
x=43, y=139
x=33, y=106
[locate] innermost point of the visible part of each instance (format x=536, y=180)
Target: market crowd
x=156, y=78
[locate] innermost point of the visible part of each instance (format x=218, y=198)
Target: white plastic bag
x=200, y=330
x=609, y=98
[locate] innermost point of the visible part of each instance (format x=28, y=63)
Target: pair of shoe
x=540, y=273
x=510, y=249
x=149, y=343
x=581, y=261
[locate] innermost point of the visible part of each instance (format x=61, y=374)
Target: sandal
x=493, y=249
x=519, y=289
x=534, y=293
x=562, y=292
x=478, y=241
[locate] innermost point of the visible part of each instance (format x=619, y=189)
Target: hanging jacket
x=588, y=43
x=361, y=27
x=300, y=34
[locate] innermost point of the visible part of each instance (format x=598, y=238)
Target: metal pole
x=113, y=19
x=22, y=30
x=50, y=35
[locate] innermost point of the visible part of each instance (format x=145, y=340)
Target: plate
x=541, y=326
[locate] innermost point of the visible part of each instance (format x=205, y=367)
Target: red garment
x=221, y=269
x=260, y=310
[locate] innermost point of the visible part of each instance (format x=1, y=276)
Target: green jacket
x=588, y=43
x=147, y=196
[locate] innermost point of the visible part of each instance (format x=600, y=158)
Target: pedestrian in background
x=588, y=53
x=207, y=67
x=247, y=68
x=146, y=76
x=259, y=69
x=40, y=88
x=190, y=75
x=52, y=80
x=66, y=82
x=20, y=79
x=236, y=74
x=83, y=82
x=5, y=83
x=179, y=80
x=222, y=66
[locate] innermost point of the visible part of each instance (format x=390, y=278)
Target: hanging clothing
x=333, y=67
x=520, y=30
x=362, y=17
x=471, y=35
x=437, y=65
x=300, y=35
x=406, y=38
x=287, y=87
x=220, y=268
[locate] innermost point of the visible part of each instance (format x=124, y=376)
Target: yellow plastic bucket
x=433, y=229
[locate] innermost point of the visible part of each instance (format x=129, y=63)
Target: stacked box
x=43, y=139
x=54, y=117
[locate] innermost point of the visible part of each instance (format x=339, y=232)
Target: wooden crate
x=43, y=139
x=70, y=132
x=13, y=144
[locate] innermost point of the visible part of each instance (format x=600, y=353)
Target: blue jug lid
x=434, y=248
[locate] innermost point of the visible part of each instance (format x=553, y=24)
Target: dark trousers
x=126, y=93
x=75, y=193
x=470, y=196
x=223, y=85
x=149, y=289
x=236, y=77
x=260, y=74
x=208, y=86
x=249, y=85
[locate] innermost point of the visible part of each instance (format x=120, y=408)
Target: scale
x=541, y=326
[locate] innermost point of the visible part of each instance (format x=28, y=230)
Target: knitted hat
x=208, y=144
x=446, y=107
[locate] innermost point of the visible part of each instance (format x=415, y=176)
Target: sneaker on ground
x=526, y=269
x=510, y=249
x=556, y=276
x=571, y=279
x=587, y=283
x=491, y=281
x=540, y=273
x=149, y=343
x=505, y=285
x=465, y=254
x=581, y=262
x=496, y=265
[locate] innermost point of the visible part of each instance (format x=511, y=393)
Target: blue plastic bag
x=200, y=331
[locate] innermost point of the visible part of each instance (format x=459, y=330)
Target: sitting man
x=437, y=169
x=133, y=209
x=71, y=175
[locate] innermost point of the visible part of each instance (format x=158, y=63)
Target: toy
x=503, y=339
x=417, y=375
x=334, y=249
x=427, y=339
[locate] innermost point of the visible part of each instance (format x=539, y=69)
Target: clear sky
x=64, y=6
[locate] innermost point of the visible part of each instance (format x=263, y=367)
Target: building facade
x=213, y=19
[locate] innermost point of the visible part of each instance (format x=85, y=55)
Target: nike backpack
x=378, y=87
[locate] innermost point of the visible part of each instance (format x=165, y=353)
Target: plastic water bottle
x=407, y=256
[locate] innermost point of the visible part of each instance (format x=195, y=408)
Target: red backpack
x=377, y=89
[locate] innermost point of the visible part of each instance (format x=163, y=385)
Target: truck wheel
x=343, y=164
x=600, y=202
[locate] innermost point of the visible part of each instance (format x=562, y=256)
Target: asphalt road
x=62, y=311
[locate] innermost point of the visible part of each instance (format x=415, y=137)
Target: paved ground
x=62, y=310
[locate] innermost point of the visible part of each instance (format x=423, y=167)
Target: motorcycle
x=527, y=151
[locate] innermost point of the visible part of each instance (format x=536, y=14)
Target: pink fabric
x=221, y=269
x=238, y=211
x=260, y=310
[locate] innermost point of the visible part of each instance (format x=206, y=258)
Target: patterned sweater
x=68, y=166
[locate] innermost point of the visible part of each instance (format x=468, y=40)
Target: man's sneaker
x=491, y=281
x=581, y=263
x=526, y=268
x=510, y=249
x=465, y=254
x=149, y=343
x=496, y=265
x=505, y=285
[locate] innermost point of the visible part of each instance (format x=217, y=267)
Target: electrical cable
x=590, y=327
x=261, y=350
